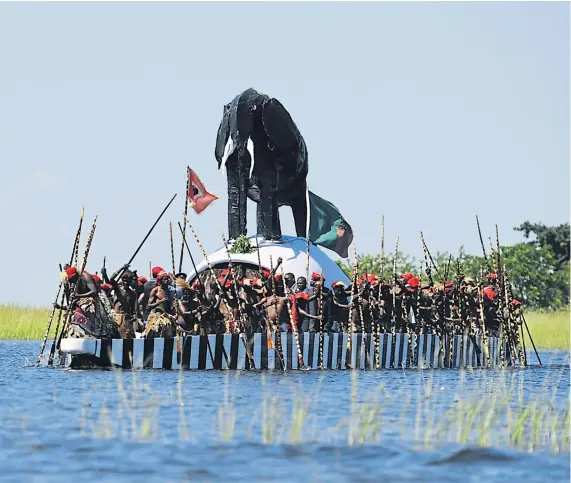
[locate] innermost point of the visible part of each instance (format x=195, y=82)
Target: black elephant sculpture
x=266, y=160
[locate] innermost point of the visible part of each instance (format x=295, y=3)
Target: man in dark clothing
x=339, y=308
x=318, y=303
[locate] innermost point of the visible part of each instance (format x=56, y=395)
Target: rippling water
x=304, y=426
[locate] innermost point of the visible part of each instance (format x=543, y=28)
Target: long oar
x=213, y=274
x=394, y=311
x=45, y=339
x=75, y=252
x=189, y=252
x=523, y=343
x=185, y=244
x=382, y=246
x=185, y=213
x=428, y=252
x=57, y=337
x=531, y=339
x=146, y=236
x=50, y=320
x=240, y=311
x=482, y=243
x=172, y=250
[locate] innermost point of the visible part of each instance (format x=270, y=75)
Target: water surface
x=304, y=426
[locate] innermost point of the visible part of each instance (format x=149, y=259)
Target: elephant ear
x=223, y=136
x=279, y=126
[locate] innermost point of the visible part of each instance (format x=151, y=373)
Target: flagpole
x=307, y=264
x=185, y=213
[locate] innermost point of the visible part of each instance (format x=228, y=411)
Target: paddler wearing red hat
x=159, y=321
x=317, y=283
x=250, y=299
x=147, y=288
x=339, y=313
x=267, y=275
x=89, y=318
x=299, y=297
x=125, y=303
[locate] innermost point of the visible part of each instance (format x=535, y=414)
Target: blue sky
x=428, y=113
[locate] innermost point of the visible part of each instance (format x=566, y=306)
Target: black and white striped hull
x=231, y=352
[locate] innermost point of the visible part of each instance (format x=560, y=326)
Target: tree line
x=538, y=268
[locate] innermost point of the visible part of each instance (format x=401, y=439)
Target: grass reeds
x=550, y=330
x=24, y=323
x=482, y=409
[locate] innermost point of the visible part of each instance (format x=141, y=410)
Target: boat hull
x=282, y=351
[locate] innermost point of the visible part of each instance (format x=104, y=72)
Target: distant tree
x=555, y=238
x=538, y=270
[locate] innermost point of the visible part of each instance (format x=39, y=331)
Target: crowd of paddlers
x=237, y=298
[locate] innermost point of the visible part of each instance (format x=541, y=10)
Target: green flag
x=327, y=227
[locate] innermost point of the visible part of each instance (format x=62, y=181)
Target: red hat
x=413, y=282
x=278, y=276
x=266, y=272
x=228, y=283
x=448, y=283
x=516, y=302
x=492, y=276
x=407, y=276
x=141, y=281
x=96, y=278
x=373, y=279
x=71, y=272
x=338, y=283
x=490, y=293
x=156, y=270
x=316, y=276
x=160, y=276
x=106, y=286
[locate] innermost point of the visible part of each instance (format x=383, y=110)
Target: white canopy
x=293, y=251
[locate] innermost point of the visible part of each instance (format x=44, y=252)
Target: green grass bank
x=550, y=330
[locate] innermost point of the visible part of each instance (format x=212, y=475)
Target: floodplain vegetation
x=550, y=330
x=484, y=409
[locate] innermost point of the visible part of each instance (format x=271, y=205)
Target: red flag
x=197, y=194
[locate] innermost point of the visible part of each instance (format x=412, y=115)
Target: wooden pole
x=185, y=213
x=57, y=340
x=382, y=247
x=238, y=302
x=73, y=257
x=172, y=250
x=147, y=236
x=189, y=253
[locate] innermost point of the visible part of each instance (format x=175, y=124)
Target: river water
x=441, y=425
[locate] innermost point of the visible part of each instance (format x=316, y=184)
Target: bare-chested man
x=250, y=298
x=159, y=323
x=268, y=278
x=187, y=311
x=125, y=306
